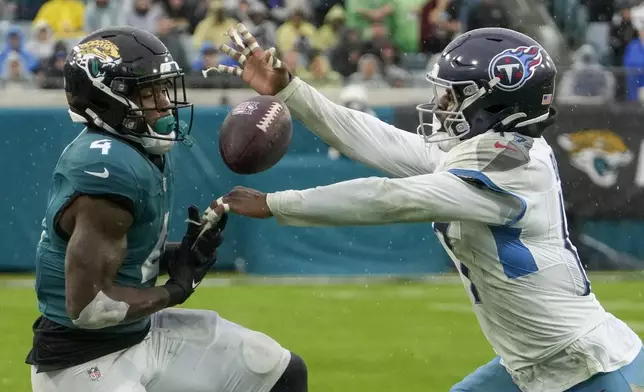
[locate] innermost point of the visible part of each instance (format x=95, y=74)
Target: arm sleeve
x=438, y=197
x=360, y=136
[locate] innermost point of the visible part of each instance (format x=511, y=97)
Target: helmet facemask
x=448, y=123
x=165, y=130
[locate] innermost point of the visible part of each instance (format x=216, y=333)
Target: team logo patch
x=516, y=66
x=94, y=373
x=96, y=57
x=246, y=108
x=599, y=153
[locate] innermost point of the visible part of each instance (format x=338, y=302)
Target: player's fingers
x=238, y=56
x=248, y=40
x=236, y=37
x=274, y=61
x=223, y=204
x=224, y=69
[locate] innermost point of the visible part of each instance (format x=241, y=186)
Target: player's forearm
x=366, y=201
x=440, y=197
x=116, y=304
x=141, y=302
x=357, y=135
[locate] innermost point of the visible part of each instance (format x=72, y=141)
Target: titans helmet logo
x=514, y=67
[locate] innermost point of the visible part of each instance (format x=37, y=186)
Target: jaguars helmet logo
x=599, y=153
x=96, y=57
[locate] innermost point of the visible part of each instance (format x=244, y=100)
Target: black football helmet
x=489, y=79
x=105, y=72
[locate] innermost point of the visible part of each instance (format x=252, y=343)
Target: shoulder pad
x=493, y=161
x=97, y=164
x=491, y=152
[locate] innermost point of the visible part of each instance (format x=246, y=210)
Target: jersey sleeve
x=496, y=163
x=90, y=172
x=436, y=197
x=359, y=135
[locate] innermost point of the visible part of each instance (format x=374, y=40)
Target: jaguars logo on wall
x=599, y=153
x=96, y=57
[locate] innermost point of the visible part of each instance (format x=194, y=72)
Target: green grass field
x=369, y=336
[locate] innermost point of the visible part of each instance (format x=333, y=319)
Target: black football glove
x=190, y=262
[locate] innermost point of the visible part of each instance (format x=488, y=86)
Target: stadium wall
x=35, y=137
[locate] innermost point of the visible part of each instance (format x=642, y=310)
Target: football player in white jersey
x=484, y=174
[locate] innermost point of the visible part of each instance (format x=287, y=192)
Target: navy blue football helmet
x=489, y=79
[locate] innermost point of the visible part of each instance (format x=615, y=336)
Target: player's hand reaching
x=196, y=255
x=258, y=68
x=247, y=202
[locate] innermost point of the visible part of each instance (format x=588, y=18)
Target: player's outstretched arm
x=437, y=197
x=359, y=135
x=355, y=134
x=95, y=252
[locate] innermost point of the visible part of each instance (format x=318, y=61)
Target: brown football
x=255, y=134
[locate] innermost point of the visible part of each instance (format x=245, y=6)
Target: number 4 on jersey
x=104, y=145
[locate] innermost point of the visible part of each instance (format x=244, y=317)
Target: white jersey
x=498, y=211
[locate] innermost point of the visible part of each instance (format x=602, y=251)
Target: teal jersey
x=98, y=164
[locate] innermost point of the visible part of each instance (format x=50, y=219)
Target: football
x=255, y=135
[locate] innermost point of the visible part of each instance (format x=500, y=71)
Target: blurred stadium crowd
x=328, y=43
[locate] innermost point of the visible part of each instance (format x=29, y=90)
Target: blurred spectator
x=369, y=73
x=214, y=26
x=362, y=14
x=102, y=13
x=407, y=19
x=64, y=16
x=262, y=28
x=15, y=74
x=296, y=32
x=143, y=15
x=241, y=10
x=16, y=47
x=397, y=77
x=634, y=64
x=488, y=13
x=346, y=55
x=438, y=24
x=319, y=73
x=587, y=81
x=207, y=58
x=622, y=31
x=394, y=74
x=56, y=65
x=183, y=15
x=322, y=7
x=172, y=36
x=328, y=34
x=7, y=9
x=41, y=42
x=281, y=10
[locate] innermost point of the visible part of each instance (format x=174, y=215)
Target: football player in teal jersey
x=105, y=324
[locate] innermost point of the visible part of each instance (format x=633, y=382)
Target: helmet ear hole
x=496, y=109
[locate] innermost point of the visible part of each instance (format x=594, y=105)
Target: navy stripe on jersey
x=565, y=234
x=515, y=257
x=483, y=179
